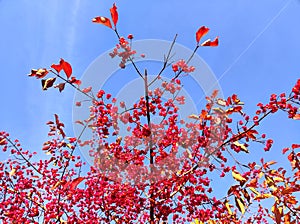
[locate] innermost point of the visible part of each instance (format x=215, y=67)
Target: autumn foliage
x=160, y=172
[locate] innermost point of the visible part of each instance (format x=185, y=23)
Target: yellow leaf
x=29, y=194
x=221, y=102
x=237, y=176
x=189, y=153
x=278, y=179
x=219, y=110
x=273, y=188
x=196, y=221
x=56, y=185
x=287, y=218
x=240, y=204
x=253, y=190
x=269, y=181
x=246, y=195
x=12, y=172
x=271, y=163
x=263, y=196
x=241, y=146
x=194, y=116
x=62, y=220
x=228, y=207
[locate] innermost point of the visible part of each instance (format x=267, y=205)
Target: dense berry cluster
x=161, y=169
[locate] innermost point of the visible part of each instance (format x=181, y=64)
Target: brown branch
x=75, y=87
x=21, y=154
x=166, y=60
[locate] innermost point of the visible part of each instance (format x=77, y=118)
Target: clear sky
x=259, y=52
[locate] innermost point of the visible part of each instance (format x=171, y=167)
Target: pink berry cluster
x=123, y=50
x=182, y=66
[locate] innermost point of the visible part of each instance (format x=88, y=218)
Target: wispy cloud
x=71, y=38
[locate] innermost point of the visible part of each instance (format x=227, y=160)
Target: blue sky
x=259, y=52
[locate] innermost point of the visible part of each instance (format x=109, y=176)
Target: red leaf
x=296, y=117
x=114, y=14
x=234, y=109
x=47, y=83
x=294, y=146
x=66, y=185
x=61, y=131
x=277, y=214
x=57, y=68
x=75, y=81
x=86, y=90
x=46, y=147
x=59, y=126
x=35, y=212
x=201, y=32
x=251, y=134
x=285, y=150
x=38, y=73
x=215, y=93
x=215, y=42
x=66, y=67
x=3, y=141
x=209, y=43
x=289, y=190
x=63, y=65
x=102, y=20
x=79, y=122
x=57, y=120
x=75, y=182
x=60, y=86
